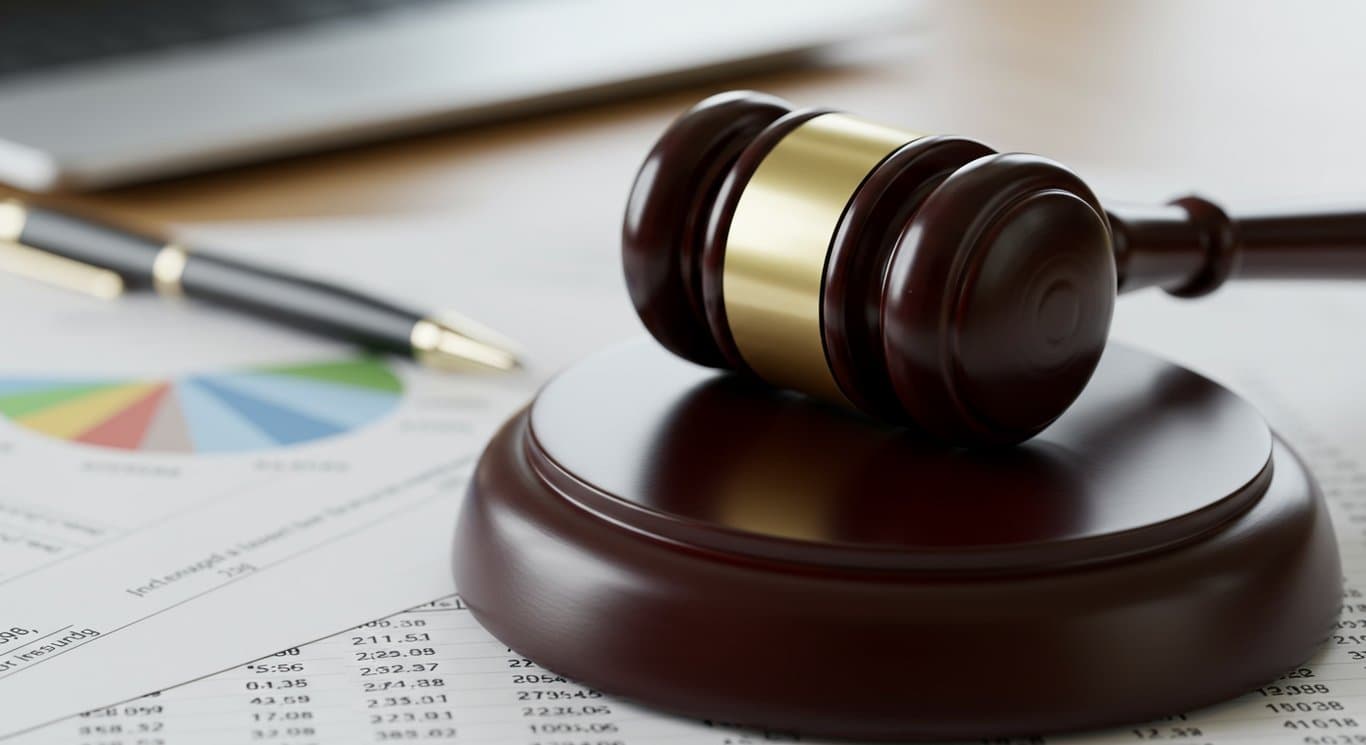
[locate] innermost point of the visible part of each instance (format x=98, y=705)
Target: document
x=431, y=674
x=186, y=489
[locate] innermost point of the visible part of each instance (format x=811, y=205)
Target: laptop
x=96, y=93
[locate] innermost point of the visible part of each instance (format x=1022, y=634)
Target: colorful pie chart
x=250, y=409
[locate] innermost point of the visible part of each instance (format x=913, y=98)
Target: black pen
x=104, y=260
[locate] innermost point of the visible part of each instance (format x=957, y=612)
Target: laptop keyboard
x=37, y=35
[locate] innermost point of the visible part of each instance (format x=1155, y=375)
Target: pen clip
x=59, y=271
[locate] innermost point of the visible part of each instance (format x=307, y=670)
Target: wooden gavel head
x=925, y=280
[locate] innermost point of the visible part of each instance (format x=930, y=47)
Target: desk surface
x=1245, y=101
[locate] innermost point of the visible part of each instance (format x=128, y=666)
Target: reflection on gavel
x=925, y=280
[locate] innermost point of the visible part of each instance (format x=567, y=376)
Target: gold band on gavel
x=780, y=237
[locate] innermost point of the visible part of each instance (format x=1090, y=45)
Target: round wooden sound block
x=697, y=543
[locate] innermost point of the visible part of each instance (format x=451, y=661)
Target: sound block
x=697, y=543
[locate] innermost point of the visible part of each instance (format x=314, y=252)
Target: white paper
x=1294, y=350
x=124, y=572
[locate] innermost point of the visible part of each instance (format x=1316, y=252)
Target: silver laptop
x=101, y=92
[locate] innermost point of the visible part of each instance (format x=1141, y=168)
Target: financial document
x=432, y=674
x=186, y=489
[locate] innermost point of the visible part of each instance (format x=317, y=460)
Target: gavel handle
x=1192, y=246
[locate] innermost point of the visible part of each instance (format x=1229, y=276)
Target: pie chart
x=235, y=411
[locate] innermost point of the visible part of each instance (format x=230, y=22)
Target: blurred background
x=167, y=111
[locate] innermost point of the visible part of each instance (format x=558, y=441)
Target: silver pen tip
x=442, y=346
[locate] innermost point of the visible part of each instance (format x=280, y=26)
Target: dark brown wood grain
x=666, y=216
x=997, y=300
x=703, y=544
x=1192, y=246
x=851, y=303
x=967, y=294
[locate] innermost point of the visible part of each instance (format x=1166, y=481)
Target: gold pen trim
x=779, y=240
x=168, y=270
x=48, y=268
x=59, y=271
x=440, y=345
x=13, y=218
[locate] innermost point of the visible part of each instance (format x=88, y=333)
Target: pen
x=103, y=260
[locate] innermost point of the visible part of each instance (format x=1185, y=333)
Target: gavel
x=925, y=280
